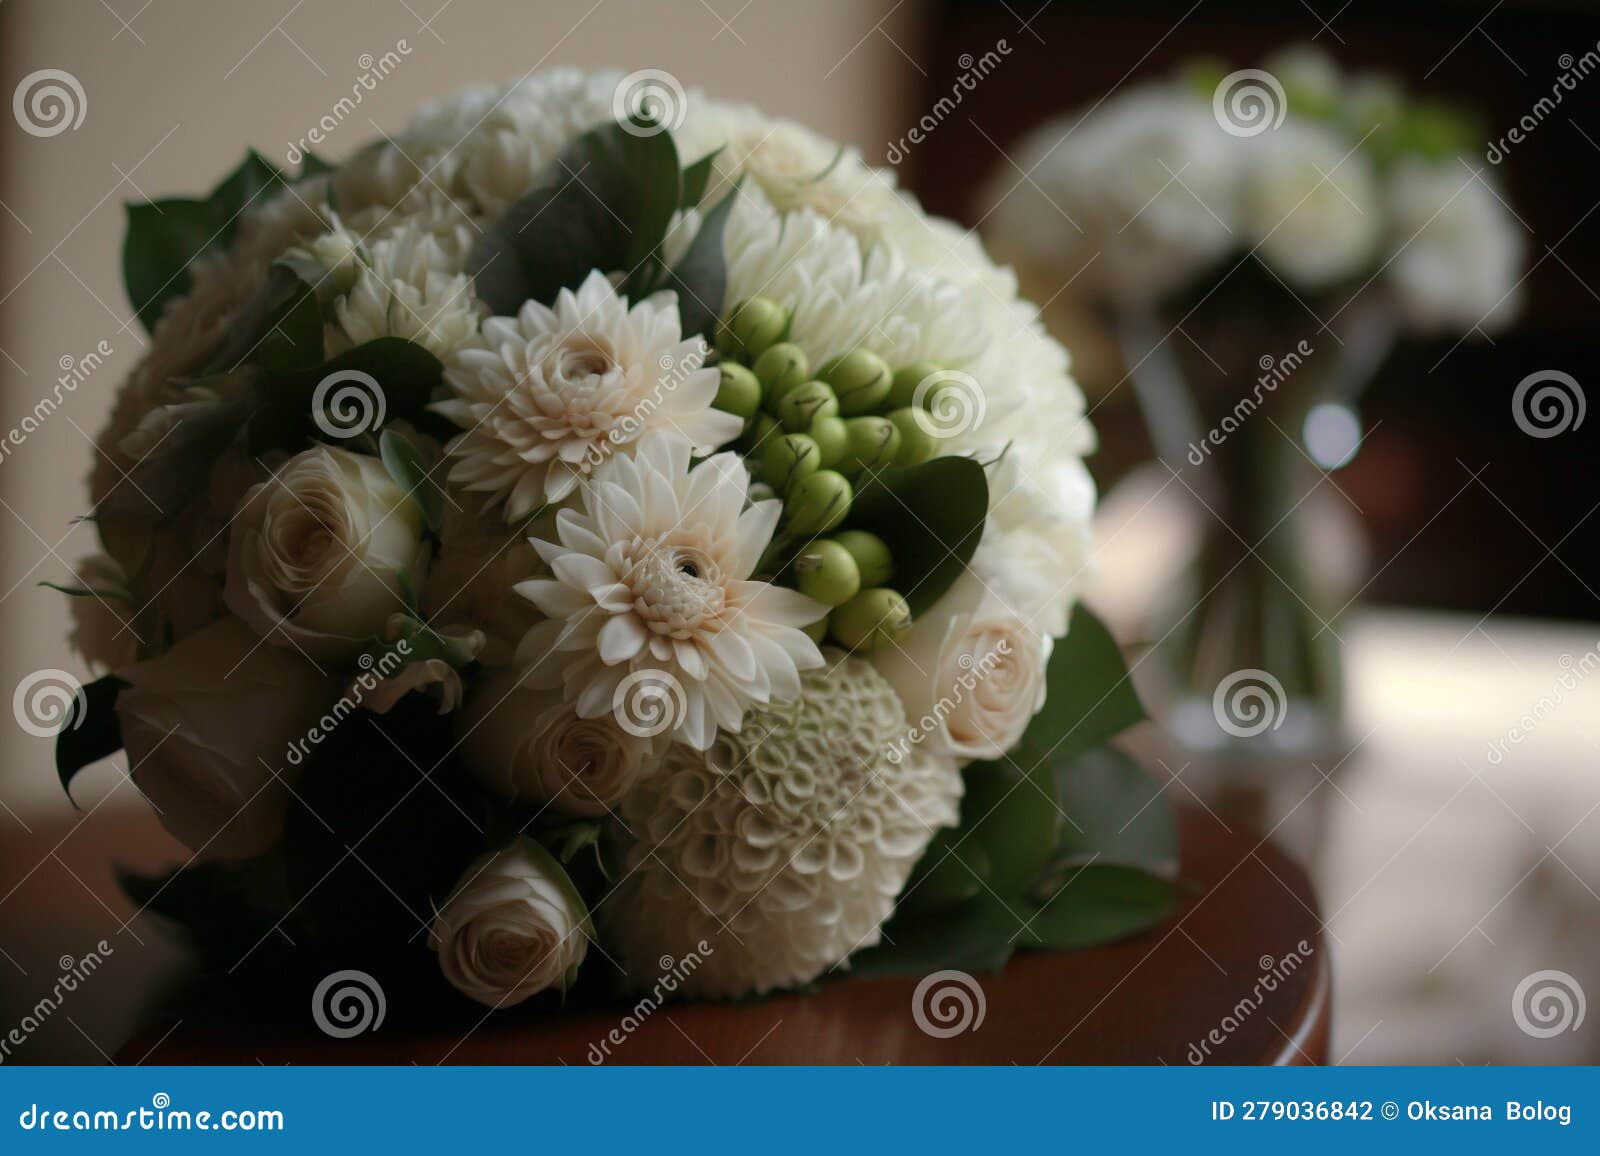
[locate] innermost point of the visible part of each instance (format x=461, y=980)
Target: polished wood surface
x=1238, y=976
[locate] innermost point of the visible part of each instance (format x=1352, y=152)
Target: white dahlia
x=652, y=588
x=411, y=287
x=549, y=394
x=785, y=846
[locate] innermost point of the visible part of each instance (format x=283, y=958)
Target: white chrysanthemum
x=793, y=166
x=1132, y=197
x=785, y=846
x=652, y=585
x=1311, y=203
x=411, y=287
x=1459, y=250
x=843, y=297
x=521, y=136
x=551, y=393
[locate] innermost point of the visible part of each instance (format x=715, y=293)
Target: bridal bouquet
x=596, y=528
x=1336, y=184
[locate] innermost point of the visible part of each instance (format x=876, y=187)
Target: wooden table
x=1239, y=976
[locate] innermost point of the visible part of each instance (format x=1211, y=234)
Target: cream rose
x=513, y=927
x=205, y=725
x=1312, y=204
x=315, y=555
x=528, y=744
x=970, y=673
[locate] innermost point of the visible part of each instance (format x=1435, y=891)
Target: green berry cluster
x=811, y=433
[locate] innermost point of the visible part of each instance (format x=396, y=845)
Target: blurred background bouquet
x=1254, y=241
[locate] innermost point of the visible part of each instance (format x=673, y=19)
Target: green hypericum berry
x=752, y=327
x=861, y=379
x=761, y=434
x=760, y=492
x=873, y=618
x=789, y=458
x=818, y=502
x=783, y=366
x=871, y=554
x=906, y=380
x=804, y=404
x=818, y=630
x=916, y=444
x=739, y=392
x=874, y=442
x=827, y=572
x=833, y=439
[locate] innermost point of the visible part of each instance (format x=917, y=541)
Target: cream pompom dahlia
x=784, y=846
x=652, y=595
x=553, y=392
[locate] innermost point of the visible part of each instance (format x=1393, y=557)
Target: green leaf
x=604, y=204
x=566, y=841
x=179, y=467
x=1118, y=816
x=405, y=466
x=692, y=188
x=164, y=237
x=977, y=935
x=279, y=328
x=1088, y=694
x=931, y=517
x=406, y=373
x=93, y=731
x=952, y=869
x=1099, y=905
x=701, y=277
x=1011, y=813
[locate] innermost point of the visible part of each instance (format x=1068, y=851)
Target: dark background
x=1438, y=409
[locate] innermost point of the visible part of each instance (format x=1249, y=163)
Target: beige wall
x=171, y=103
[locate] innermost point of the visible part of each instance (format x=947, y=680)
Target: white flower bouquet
x=1335, y=185
x=602, y=524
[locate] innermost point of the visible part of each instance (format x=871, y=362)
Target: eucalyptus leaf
x=93, y=732
x=931, y=517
